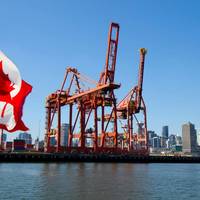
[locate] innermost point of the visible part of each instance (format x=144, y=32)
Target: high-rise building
x=4, y=137
x=164, y=142
x=151, y=134
x=25, y=136
x=165, y=132
x=172, y=140
x=198, y=138
x=156, y=142
x=189, y=138
x=165, y=135
x=64, y=134
x=178, y=140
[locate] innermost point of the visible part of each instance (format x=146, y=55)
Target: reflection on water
x=97, y=181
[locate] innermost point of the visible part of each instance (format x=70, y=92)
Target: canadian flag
x=13, y=91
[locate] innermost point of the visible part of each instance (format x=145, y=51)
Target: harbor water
x=96, y=181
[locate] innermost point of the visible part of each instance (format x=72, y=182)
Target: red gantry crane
x=128, y=109
x=91, y=112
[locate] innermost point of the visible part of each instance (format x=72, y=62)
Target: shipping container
x=18, y=145
x=29, y=146
x=18, y=148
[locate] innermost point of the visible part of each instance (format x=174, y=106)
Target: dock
x=26, y=157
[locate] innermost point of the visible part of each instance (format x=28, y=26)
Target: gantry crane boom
x=109, y=72
x=134, y=97
x=143, y=52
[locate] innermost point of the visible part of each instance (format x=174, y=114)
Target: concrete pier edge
x=64, y=157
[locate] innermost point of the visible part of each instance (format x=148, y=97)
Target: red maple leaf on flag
x=5, y=83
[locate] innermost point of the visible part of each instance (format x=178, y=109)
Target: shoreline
x=19, y=157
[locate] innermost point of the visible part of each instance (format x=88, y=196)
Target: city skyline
x=44, y=44
x=15, y=136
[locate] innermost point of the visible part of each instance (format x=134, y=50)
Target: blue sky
x=43, y=37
